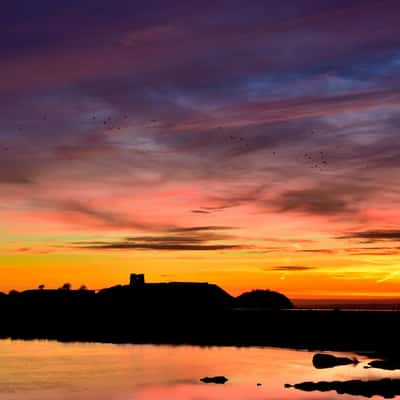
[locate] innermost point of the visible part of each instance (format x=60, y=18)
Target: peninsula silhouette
x=189, y=313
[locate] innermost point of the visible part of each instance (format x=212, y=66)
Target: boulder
x=321, y=360
x=387, y=388
x=388, y=364
x=214, y=379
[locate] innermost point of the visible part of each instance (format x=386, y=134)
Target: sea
x=51, y=370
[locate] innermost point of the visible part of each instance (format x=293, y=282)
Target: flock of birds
x=313, y=160
x=316, y=160
x=108, y=122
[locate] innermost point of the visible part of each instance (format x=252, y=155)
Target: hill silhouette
x=263, y=299
x=173, y=295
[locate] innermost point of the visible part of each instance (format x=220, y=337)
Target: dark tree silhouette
x=83, y=287
x=66, y=286
x=41, y=286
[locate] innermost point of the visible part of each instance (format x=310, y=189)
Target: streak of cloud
x=291, y=268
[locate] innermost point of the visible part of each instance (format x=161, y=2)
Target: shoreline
x=360, y=352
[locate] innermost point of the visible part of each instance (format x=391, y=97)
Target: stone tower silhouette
x=136, y=280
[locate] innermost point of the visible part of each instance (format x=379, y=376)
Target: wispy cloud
x=312, y=201
x=196, y=238
x=388, y=277
x=95, y=215
x=374, y=235
x=290, y=268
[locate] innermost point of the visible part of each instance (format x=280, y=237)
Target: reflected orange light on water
x=87, y=371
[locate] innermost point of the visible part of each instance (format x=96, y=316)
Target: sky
x=252, y=144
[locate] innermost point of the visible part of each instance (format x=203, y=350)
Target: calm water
x=45, y=370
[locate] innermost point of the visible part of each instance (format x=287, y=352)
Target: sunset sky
x=253, y=144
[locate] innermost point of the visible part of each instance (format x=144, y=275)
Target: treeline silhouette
x=192, y=313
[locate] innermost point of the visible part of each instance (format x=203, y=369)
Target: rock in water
x=388, y=364
x=329, y=361
x=387, y=388
x=214, y=379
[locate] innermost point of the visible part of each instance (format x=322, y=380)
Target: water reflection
x=51, y=370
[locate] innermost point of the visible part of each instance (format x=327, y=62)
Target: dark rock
x=214, y=379
x=329, y=361
x=389, y=364
x=387, y=388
